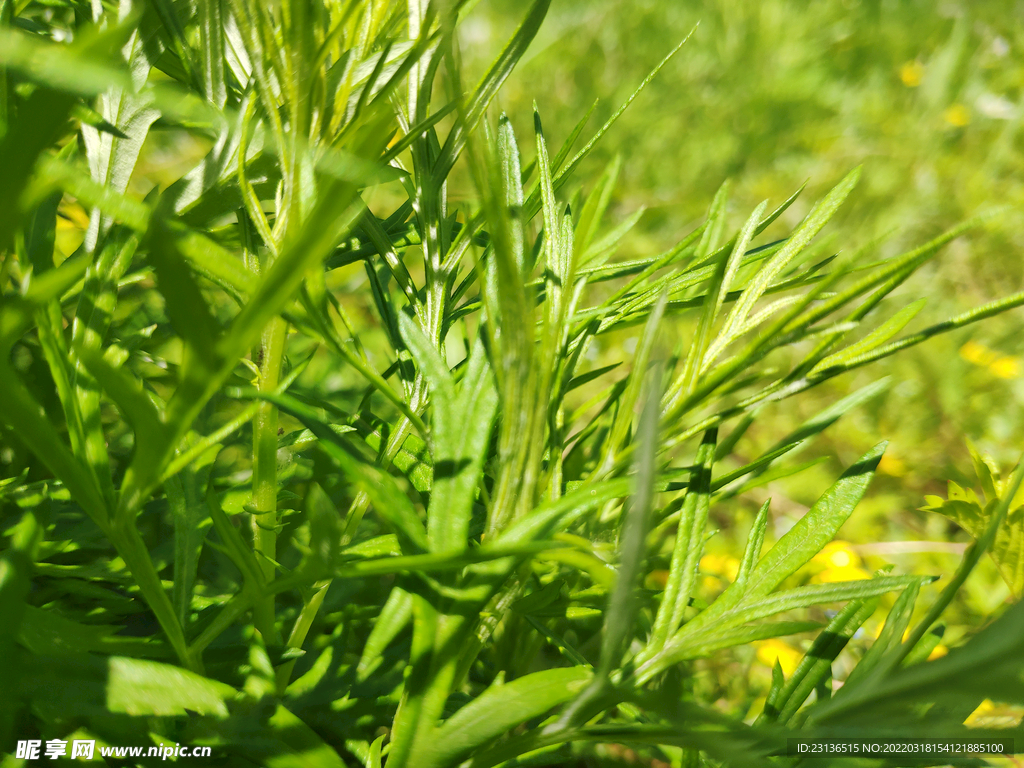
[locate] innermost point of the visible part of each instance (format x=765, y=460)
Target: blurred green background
x=775, y=93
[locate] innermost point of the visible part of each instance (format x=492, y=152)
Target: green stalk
x=264, y=472
x=132, y=549
x=300, y=630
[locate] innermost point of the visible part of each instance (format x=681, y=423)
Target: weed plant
x=411, y=527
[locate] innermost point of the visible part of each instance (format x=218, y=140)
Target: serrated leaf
x=965, y=509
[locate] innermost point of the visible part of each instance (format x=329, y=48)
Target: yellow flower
x=838, y=562
x=768, y=651
x=1005, y=367
x=976, y=353
x=837, y=554
x=720, y=565
x=957, y=115
x=892, y=465
x=910, y=74
x=938, y=652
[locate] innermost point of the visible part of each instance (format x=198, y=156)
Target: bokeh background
x=770, y=94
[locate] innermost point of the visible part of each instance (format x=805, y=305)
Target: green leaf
x=325, y=529
x=387, y=498
x=394, y=617
x=628, y=400
x=810, y=534
x=211, y=51
x=23, y=414
x=716, y=223
x=752, y=550
x=896, y=623
x=689, y=544
x=989, y=665
x=187, y=309
x=809, y=429
x=77, y=685
x=499, y=709
x=131, y=399
x=191, y=522
x=39, y=124
x=875, y=339
x=799, y=240
x=14, y=585
x=46, y=632
x=622, y=603
x=111, y=159
x=1007, y=550
x=461, y=450
x=487, y=88
x=702, y=352
x=816, y=664
x=304, y=747
x=696, y=633
x=730, y=638
x=175, y=30
x=594, y=208
x=559, y=514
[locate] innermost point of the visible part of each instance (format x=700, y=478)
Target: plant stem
x=132, y=549
x=264, y=472
x=300, y=630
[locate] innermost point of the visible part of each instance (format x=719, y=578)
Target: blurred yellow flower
x=720, y=565
x=910, y=74
x=768, y=651
x=838, y=562
x=976, y=353
x=837, y=554
x=1005, y=367
x=938, y=652
x=892, y=465
x=957, y=114
x=990, y=714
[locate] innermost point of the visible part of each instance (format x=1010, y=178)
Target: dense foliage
x=305, y=455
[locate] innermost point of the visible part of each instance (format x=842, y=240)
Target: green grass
x=307, y=455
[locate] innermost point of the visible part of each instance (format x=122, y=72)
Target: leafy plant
x=974, y=514
x=441, y=560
